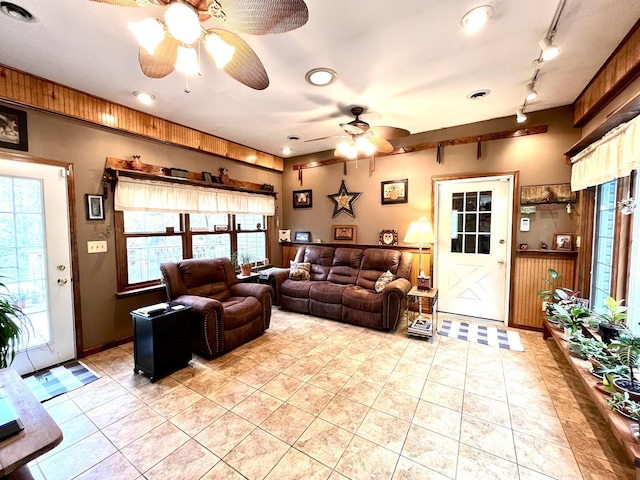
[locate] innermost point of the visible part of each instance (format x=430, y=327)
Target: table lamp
x=420, y=233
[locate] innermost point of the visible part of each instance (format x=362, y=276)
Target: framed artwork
x=95, y=207
x=540, y=194
x=284, y=235
x=343, y=233
x=302, y=199
x=563, y=241
x=13, y=129
x=206, y=177
x=388, y=237
x=394, y=191
x=302, y=237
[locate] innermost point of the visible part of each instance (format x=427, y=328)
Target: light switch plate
x=525, y=224
x=97, y=246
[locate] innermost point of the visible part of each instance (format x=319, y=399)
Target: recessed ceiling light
x=144, y=97
x=293, y=138
x=478, y=94
x=286, y=150
x=321, y=77
x=475, y=19
x=17, y=12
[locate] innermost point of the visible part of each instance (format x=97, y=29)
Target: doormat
x=50, y=383
x=492, y=336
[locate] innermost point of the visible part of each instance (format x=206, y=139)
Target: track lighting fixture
x=520, y=116
x=549, y=50
x=531, y=93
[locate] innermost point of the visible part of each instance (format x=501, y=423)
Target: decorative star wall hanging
x=343, y=201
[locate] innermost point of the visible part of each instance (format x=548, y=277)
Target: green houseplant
x=243, y=261
x=613, y=319
x=627, y=349
x=571, y=318
x=13, y=322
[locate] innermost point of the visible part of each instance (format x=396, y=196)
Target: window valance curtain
x=146, y=195
x=613, y=156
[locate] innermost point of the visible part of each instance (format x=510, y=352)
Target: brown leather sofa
x=225, y=313
x=342, y=285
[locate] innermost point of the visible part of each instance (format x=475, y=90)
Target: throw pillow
x=383, y=281
x=299, y=271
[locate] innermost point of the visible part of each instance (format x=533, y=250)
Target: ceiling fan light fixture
x=321, y=77
x=364, y=145
x=549, y=50
x=531, y=93
x=520, y=116
x=475, y=19
x=183, y=22
x=187, y=60
x=348, y=149
x=149, y=32
x=286, y=151
x=144, y=97
x=220, y=51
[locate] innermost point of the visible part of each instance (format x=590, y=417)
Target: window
x=633, y=294
x=471, y=222
x=146, y=239
x=602, y=266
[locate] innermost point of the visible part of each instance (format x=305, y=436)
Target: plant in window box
x=612, y=318
x=13, y=323
x=624, y=405
x=571, y=319
x=627, y=349
x=555, y=294
x=243, y=261
x=585, y=347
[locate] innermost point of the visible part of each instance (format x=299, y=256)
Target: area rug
x=50, y=383
x=485, y=335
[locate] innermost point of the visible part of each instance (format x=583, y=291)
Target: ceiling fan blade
x=258, y=17
x=381, y=144
x=163, y=60
x=245, y=66
x=134, y=3
x=390, y=132
x=324, y=138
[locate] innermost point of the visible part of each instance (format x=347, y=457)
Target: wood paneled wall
x=621, y=68
x=24, y=89
x=529, y=270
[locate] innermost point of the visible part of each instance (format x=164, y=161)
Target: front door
x=35, y=259
x=473, y=245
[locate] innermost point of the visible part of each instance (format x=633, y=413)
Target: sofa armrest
x=393, y=301
x=400, y=285
x=207, y=323
x=257, y=290
x=199, y=305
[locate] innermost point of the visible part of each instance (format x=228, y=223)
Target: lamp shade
x=182, y=22
x=420, y=232
x=149, y=33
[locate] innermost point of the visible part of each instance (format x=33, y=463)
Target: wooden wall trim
x=24, y=89
x=622, y=67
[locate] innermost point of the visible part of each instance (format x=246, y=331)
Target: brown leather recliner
x=225, y=313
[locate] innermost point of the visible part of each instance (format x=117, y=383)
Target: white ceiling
x=407, y=62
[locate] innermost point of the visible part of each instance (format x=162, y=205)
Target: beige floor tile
x=546, y=427
x=62, y=410
x=311, y=399
x=439, y=419
x=287, y=423
x=257, y=407
x=90, y=399
x=222, y=471
x=133, y=426
x=344, y=364
x=225, y=433
x=329, y=380
x=474, y=464
x=154, y=446
x=384, y=430
x=231, y=394
x=409, y=470
x=303, y=369
x=546, y=457
x=447, y=377
x=360, y=391
x=279, y=361
x=487, y=409
x=108, y=468
x=345, y=413
x=324, y=442
x=189, y=461
x=405, y=383
x=593, y=468
x=442, y=395
x=396, y=403
x=236, y=366
x=487, y=387
x=114, y=410
x=73, y=430
x=207, y=382
x=257, y=376
x=198, y=416
x=282, y=386
x=295, y=465
x=364, y=460
x=152, y=391
x=256, y=455
x=174, y=402
x=431, y=450
x=488, y=437
x=414, y=366
x=528, y=474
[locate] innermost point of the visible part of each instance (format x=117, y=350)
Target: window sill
x=140, y=291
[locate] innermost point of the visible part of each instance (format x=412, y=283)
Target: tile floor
x=317, y=399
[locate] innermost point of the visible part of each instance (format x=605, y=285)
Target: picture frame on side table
x=95, y=206
x=302, y=237
x=207, y=177
x=394, y=191
x=13, y=129
x=343, y=233
x=302, y=199
x=563, y=241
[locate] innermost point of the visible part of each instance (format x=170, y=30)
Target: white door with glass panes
x=35, y=259
x=472, y=263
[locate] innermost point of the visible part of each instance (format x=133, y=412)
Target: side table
x=422, y=325
x=161, y=339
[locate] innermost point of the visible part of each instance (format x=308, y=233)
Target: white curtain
x=145, y=195
x=613, y=156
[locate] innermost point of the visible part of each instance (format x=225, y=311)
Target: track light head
x=531, y=93
x=520, y=116
x=549, y=50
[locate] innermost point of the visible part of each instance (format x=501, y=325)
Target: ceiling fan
x=363, y=138
x=171, y=44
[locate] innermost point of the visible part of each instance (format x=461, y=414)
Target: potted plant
x=612, y=319
x=555, y=294
x=627, y=349
x=244, y=260
x=13, y=322
x=624, y=405
x=571, y=319
x=585, y=348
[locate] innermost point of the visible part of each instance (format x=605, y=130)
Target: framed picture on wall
x=541, y=194
x=95, y=207
x=563, y=241
x=343, y=233
x=388, y=237
x=13, y=129
x=302, y=199
x=394, y=191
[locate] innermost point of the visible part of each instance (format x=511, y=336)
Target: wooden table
x=41, y=433
x=618, y=424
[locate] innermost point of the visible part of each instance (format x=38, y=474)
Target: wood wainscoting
x=530, y=267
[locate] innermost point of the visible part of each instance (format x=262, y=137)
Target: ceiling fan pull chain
x=479, y=151
x=372, y=163
x=439, y=154
x=186, y=84
x=344, y=167
x=300, y=175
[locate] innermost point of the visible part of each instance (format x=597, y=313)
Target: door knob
x=61, y=267
x=501, y=262
x=62, y=281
